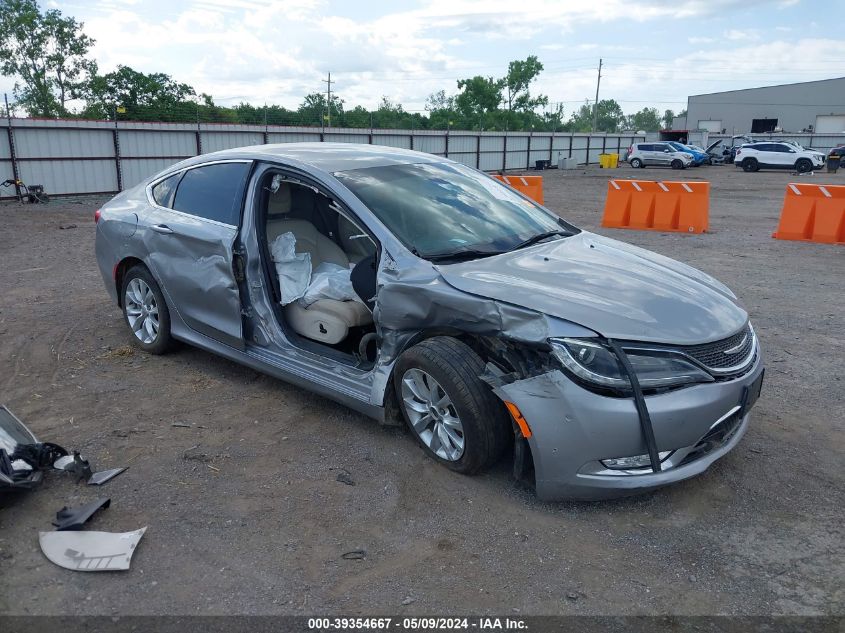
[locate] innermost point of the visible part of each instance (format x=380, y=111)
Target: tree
x=610, y=117
x=647, y=119
x=47, y=52
x=519, y=78
x=479, y=97
x=668, y=118
x=154, y=96
x=313, y=111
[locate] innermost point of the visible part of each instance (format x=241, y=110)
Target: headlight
x=591, y=361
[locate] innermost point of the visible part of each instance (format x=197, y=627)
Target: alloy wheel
x=432, y=415
x=141, y=311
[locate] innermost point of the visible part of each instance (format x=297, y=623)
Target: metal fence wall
x=84, y=157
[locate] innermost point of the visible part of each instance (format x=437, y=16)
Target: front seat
x=326, y=320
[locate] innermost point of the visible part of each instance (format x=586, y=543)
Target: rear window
x=213, y=192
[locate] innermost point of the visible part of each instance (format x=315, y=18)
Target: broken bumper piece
x=576, y=433
x=90, y=551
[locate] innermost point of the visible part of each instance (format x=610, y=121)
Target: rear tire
x=145, y=311
x=636, y=163
x=750, y=164
x=473, y=414
x=803, y=165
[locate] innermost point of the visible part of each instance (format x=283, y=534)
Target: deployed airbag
x=329, y=281
x=293, y=269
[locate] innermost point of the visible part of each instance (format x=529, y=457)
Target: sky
x=655, y=52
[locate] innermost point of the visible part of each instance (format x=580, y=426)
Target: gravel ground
x=236, y=473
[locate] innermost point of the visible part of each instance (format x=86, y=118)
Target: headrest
x=279, y=202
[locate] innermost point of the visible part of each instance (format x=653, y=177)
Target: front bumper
x=573, y=429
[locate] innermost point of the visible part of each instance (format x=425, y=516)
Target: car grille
x=713, y=356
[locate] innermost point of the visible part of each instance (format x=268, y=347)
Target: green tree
x=520, y=76
x=47, y=53
x=313, y=111
x=479, y=97
x=145, y=97
x=610, y=117
x=647, y=119
x=668, y=117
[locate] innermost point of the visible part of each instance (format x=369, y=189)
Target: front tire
x=450, y=411
x=803, y=165
x=636, y=163
x=677, y=164
x=145, y=311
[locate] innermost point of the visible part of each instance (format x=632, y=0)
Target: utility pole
x=328, y=83
x=596, y=105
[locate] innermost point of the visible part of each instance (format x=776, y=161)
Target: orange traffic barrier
x=657, y=206
x=813, y=213
x=531, y=186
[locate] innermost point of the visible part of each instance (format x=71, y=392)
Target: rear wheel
x=677, y=164
x=750, y=164
x=451, y=412
x=803, y=165
x=145, y=311
x=636, y=163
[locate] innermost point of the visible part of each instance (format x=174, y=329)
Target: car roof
x=330, y=157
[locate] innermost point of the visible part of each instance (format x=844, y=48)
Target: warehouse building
x=811, y=106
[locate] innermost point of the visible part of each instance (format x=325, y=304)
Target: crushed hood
x=618, y=290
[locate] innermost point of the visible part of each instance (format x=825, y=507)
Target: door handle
x=162, y=228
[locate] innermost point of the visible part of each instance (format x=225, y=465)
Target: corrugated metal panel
x=293, y=137
x=70, y=176
x=38, y=143
x=347, y=138
x=492, y=143
x=561, y=143
x=466, y=159
x=392, y=140
x=459, y=144
x=430, y=144
x=538, y=155
x=134, y=143
x=136, y=170
x=215, y=141
x=541, y=142
x=517, y=143
x=4, y=144
x=516, y=160
x=6, y=173
x=491, y=162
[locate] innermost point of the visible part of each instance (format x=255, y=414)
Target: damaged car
x=411, y=287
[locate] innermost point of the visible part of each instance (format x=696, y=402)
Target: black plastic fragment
x=74, y=518
x=639, y=402
x=101, y=477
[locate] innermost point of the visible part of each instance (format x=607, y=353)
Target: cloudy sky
x=656, y=52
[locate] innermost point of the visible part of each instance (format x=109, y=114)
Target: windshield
x=437, y=209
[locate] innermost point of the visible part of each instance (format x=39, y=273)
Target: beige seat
x=326, y=320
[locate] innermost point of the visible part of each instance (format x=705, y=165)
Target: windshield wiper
x=459, y=255
x=540, y=237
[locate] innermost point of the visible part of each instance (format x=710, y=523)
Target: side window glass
x=213, y=192
x=163, y=191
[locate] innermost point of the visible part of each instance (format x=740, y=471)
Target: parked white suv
x=660, y=154
x=778, y=155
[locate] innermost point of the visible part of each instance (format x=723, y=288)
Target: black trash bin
x=833, y=163
x=540, y=164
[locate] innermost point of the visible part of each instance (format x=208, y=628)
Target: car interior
x=329, y=235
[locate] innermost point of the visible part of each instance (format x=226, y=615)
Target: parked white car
x=778, y=155
x=659, y=154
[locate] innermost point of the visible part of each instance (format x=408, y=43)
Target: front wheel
x=145, y=311
x=677, y=164
x=636, y=163
x=451, y=412
x=803, y=165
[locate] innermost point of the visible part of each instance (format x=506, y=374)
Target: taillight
x=631, y=149
x=738, y=152
x=96, y=216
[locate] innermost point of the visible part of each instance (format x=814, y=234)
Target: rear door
x=191, y=236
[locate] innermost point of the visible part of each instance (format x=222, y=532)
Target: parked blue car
x=698, y=158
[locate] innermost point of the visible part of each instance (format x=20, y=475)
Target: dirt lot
x=236, y=473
